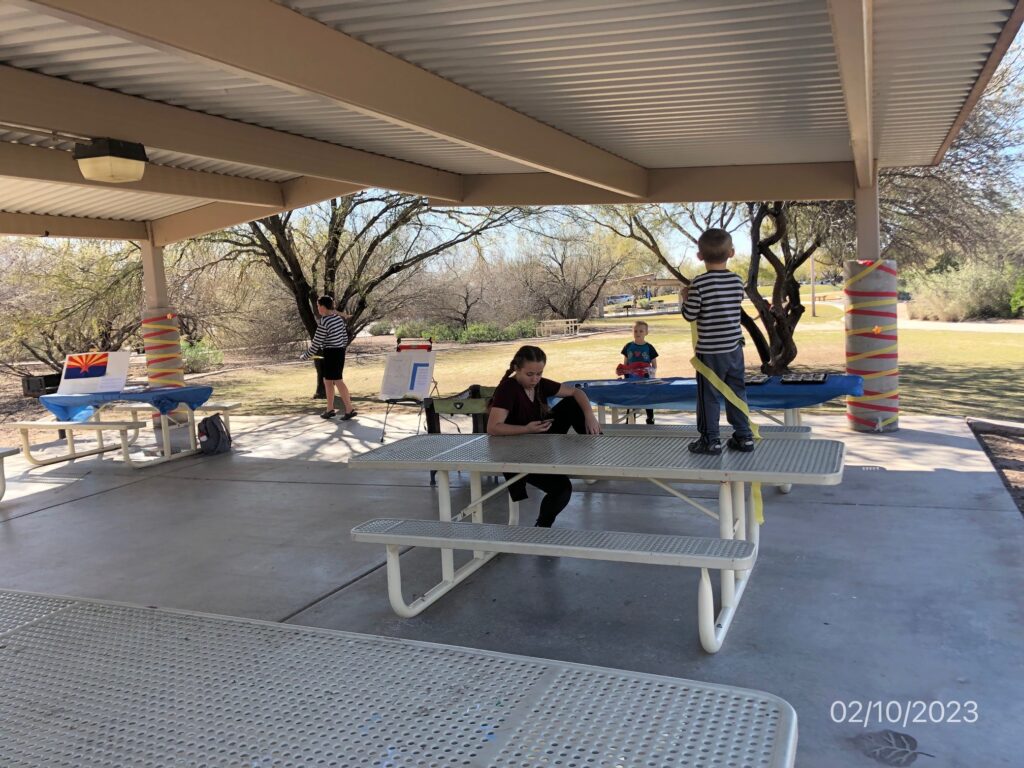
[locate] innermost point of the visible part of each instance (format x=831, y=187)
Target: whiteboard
x=408, y=373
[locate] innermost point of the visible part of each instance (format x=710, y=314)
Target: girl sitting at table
x=519, y=406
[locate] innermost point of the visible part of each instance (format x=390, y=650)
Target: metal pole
x=814, y=310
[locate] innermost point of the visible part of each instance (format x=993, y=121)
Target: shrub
x=412, y=329
x=522, y=329
x=199, y=357
x=477, y=332
x=1017, y=297
x=380, y=328
x=975, y=290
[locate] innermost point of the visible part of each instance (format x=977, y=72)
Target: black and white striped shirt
x=331, y=333
x=714, y=302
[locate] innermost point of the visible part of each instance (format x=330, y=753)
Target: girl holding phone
x=520, y=407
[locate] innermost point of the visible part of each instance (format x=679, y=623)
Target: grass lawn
x=954, y=373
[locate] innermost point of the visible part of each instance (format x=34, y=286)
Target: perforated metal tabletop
x=104, y=685
x=814, y=462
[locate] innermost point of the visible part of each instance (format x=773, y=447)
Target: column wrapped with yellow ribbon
x=871, y=344
x=164, y=367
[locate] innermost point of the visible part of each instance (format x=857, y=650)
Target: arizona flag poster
x=88, y=372
x=88, y=366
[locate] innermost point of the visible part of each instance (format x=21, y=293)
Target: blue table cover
x=164, y=399
x=680, y=394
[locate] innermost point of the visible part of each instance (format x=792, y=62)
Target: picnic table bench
x=658, y=460
x=90, y=683
x=4, y=453
x=97, y=428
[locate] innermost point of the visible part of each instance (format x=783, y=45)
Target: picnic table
x=659, y=460
x=84, y=413
x=89, y=683
x=680, y=394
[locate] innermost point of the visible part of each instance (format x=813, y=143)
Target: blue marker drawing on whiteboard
x=416, y=369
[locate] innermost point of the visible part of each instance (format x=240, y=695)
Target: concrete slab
x=903, y=583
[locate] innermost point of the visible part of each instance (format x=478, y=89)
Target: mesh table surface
x=104, y=685
x=801, y=461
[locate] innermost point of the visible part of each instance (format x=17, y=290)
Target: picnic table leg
x=791, y=417
x=444, y=513
x=711, y=628
x=477, y=515
x=739, y=511
x=165, y=430
x=725, y=530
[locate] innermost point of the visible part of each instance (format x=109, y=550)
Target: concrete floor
x=904, y=583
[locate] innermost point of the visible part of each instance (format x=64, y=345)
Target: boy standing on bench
x=713, y=300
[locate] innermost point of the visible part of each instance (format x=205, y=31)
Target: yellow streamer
x=872, y=353
x=720, y=385
x=860, y=276
x=758, y=502
x=732, y=397
x=869, y=398
x=881, y=374
x=873, y=303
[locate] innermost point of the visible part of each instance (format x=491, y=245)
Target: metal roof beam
x=264, y=39
x=297, y=193
x=54, y=104
x=35, y=225
x=852, y=33
x=25, y=162
x=794, y=181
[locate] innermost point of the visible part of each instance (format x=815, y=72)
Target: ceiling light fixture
x=111, y=160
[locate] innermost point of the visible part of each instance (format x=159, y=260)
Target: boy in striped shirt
x=713, y=300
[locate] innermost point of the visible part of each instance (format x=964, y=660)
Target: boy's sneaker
x=744, y=444
x=703, y=445
x=328, y=414
x=650, y=419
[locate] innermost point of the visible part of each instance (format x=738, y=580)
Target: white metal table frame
x=127, y=431
x=735, y=516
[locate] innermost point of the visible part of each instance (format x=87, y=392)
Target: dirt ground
x=1004, y=444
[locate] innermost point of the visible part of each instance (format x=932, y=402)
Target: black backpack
x=213, y=436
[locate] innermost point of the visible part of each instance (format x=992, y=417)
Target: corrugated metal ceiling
x=663, y=84
x=927, y=56
x=30, y=39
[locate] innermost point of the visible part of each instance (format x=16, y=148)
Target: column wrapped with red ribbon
x=871, y=344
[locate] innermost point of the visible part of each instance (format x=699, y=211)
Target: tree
x=568, y=268
x=361, y=249
x=67, y=296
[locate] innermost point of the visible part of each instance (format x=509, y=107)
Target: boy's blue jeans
x=729, y=367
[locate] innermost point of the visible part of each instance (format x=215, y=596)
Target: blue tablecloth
x=680, y=394
x=164, y=399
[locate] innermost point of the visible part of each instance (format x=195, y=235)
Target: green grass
x=950, y=373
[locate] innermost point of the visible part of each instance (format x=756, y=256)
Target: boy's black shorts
x=333, y=364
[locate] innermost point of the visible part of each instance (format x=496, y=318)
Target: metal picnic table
x=658, y=460
x=89, y=683
x=88, y=408
x=680, y=394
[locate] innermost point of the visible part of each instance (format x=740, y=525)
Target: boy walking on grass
x=713, y=300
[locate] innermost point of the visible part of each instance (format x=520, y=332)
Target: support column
x=160, y=335
x=871, y=333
